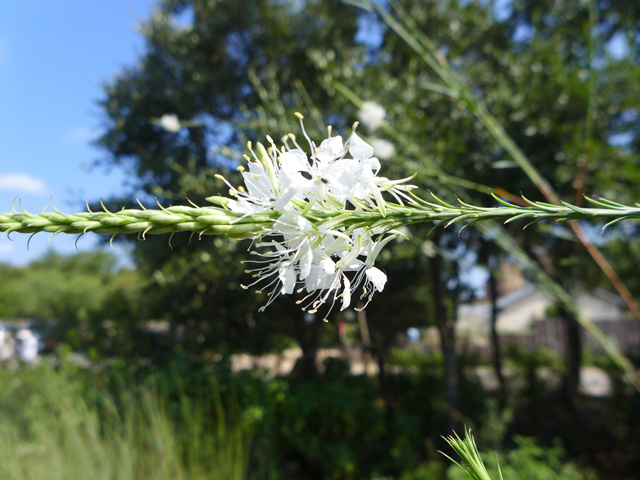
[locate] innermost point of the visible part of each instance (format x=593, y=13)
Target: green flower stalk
x=200, y=220
x=212, y=220
x=318, y=221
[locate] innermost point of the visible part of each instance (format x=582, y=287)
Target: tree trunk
x=364, y=335
x=574, y=359
x=446, y=329
x=386, y=392
x=307, y=336
x=495, y=339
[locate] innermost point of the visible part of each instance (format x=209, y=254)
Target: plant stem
x=217, y=220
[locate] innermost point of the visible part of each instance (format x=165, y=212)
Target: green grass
x=53, y=427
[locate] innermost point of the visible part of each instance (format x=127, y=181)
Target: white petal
x=279, y=247
x=359, y=149
x=377, y=277
x=287, y=276
x=342, y=176
x=346, y=293
x=305, y=264
x=328, y=266
x=285, y=197
x=292, y=223
x=258, y=183
x=373, y=163
x=318, y=279
x=304, y=225
x=293, y=162
x=330, y=149
x=245, y=207
x=353, y=266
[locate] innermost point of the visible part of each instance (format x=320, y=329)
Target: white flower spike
x=309, y=196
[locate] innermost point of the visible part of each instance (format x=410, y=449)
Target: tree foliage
x=85, y=297
x=236, y=70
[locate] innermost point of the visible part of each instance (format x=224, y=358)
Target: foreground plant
x=317, y=221
x=470, y=456
x=526, y=459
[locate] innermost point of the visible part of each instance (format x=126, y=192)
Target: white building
x=519, y=310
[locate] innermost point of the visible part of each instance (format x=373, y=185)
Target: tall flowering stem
x=212, y=220
x=317, y=220
x=200, y=220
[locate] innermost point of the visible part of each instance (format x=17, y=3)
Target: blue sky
x=54, y=56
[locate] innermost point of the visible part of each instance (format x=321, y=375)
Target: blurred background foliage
x=561, y=80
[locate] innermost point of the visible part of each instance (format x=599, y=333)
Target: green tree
x=90, y=301
x=234, y=70
x=208, y=62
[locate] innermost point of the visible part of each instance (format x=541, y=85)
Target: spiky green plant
x=218, y=220
x=470, y=456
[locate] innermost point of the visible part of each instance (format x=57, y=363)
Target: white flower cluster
x=309, y=246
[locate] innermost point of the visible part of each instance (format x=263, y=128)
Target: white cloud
x=6, y=246
x=82, y=134
x=23, y=183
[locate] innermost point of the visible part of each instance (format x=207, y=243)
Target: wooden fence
x=549, y=333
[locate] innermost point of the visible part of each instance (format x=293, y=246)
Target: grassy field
x=52, y=426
